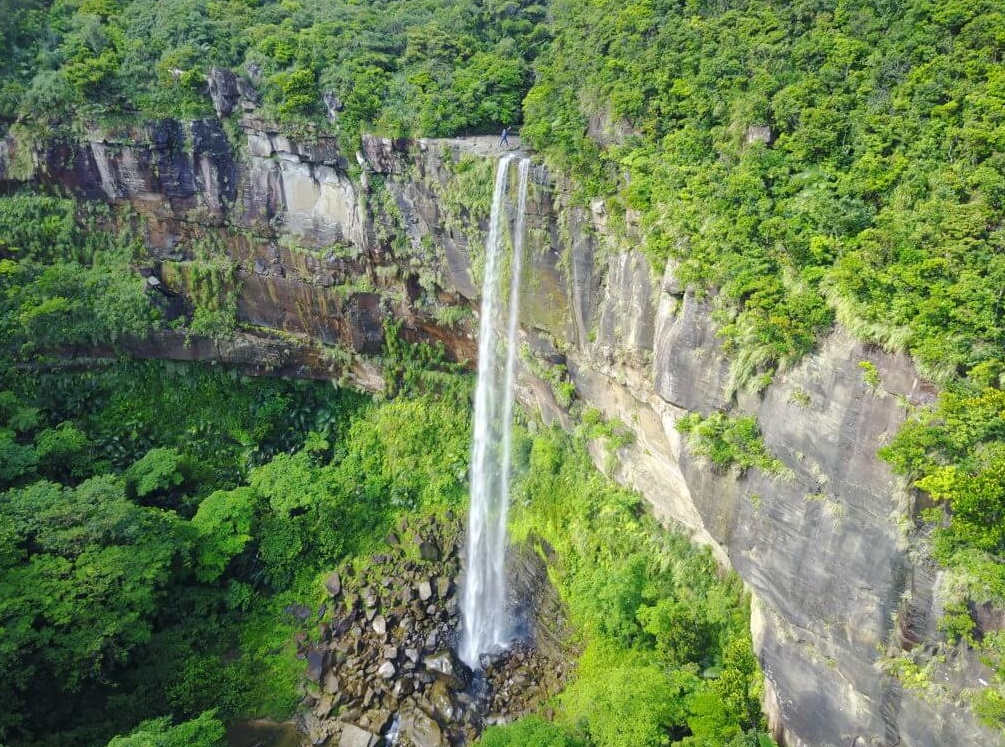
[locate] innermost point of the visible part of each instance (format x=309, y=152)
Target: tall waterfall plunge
x=483, y=598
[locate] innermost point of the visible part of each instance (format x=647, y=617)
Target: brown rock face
x=321, y=259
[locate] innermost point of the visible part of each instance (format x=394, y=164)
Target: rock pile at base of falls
x=383, y=667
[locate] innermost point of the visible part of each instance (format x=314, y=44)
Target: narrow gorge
x=319, y=251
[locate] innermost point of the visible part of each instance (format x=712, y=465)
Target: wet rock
x=440, y=699
x=420, y=728
x=444, y=586
x=223, y=90
x=353, y=736
x=442, y=662
x=428, y=551
x=403, y=688
x=376, y=667
x=315, y=664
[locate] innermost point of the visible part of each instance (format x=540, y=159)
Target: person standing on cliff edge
x=504, y=139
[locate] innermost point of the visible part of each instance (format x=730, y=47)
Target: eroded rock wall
x=324, y=252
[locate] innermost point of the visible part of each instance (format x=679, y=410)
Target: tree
x=156, y=477
x=85, y=583
x=204, y=731
x=530, y=731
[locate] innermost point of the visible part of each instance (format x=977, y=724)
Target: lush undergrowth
x=158, y=519
x=161, y=521
x=666, y=652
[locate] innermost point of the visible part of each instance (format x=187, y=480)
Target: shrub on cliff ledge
x=728, y=442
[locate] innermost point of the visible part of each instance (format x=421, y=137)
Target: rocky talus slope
x=382, y=662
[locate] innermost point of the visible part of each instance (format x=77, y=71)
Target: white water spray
x=483, y=598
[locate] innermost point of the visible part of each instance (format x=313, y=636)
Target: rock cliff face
x=323, y=254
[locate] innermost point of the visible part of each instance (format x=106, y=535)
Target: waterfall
x=483, y=598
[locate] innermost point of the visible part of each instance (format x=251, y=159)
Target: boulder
x=223, y=90
x=387, y=670
x=444, y=586
x=353, y=736
x=442, y=662
x=421, y=729
x=298, y=611
x=425, y=591
x=331, y=683
x=440, y=700
x=379, y=625
x=315, y=664
x=428, y=551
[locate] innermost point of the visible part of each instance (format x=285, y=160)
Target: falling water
x=483, y=600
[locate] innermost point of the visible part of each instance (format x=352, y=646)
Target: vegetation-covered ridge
x=437, y=67
x=158, y=519
x=805, y=161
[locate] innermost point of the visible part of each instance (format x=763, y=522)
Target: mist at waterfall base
x=485, y=625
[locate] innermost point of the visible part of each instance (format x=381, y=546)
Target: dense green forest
x=800, y=164
x=436, y=66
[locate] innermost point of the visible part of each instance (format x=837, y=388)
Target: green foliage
x=667, y=647
x=955, y=452
x=224, y=522
x=532, y=731
x=431, y=68
x=414, y=368
x=85, y=572
x=65, y=281
x=204, y=731
x=64, y=452
x=626, y=701
x=877, y=200
x=156, y=475
x=91, y=570
x=728, y=442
